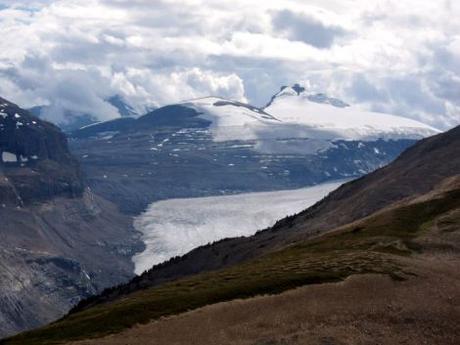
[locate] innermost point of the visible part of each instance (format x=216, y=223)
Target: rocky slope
x=401, y=257
x=213, y=146
x=60, y=241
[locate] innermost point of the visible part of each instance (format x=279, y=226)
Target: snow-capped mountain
x=340, y=120
x=294, y=117
x=213, y=146
x=294, y=114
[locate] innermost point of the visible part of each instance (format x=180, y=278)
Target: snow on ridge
x=232, y=120
x=174, y=227
x=296, y=114
x=95, y=124
x=346, y=122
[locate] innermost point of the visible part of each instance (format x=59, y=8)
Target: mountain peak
x=124, y=109
x=298, y=90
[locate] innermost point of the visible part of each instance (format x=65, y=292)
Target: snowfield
x=174, y=227
x=344, y=121
x=294, y=115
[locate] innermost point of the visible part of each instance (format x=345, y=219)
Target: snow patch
x=8, y=157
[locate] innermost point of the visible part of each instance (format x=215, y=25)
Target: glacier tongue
x=174, y=227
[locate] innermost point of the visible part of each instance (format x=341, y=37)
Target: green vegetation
x=393, y=231
x=370, y=246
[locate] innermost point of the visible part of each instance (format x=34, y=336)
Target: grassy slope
x=372, y=245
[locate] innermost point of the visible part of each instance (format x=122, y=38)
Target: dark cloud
x=364, y=90
x=300, y=27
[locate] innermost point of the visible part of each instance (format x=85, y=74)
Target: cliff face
x=59, y=242
x=35, y=163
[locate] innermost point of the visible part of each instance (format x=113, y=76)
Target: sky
x=400, y=57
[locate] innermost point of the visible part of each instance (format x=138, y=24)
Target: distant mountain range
x=214, y=146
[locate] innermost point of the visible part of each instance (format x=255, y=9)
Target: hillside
x=409, y=234
x=417, y=239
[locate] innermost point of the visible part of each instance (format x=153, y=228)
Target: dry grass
x=366, y=309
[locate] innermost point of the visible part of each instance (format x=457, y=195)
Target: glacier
x=295, y=114
x=174, y=227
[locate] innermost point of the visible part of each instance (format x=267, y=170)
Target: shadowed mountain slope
x=59, y=241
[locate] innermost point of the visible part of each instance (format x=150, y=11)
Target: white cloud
x=397, y=56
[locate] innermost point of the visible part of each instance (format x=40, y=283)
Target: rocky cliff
x=35, y=164
x=59, y=241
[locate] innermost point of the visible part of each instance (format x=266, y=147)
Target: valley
x=225, y=172
x=202, y=179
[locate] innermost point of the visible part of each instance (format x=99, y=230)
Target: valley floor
x=364, y=309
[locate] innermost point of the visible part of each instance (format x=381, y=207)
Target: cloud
x=159, y=88
x=395, y=56
x=299, y=27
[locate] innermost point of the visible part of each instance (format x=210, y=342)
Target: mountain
x=72, y=120
x=60, y=241
x=391, y=238
x=124, y=109
x=340, y=120
x=185, y=149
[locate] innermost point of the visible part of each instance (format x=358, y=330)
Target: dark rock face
x=35, y=164
x=59, y=241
